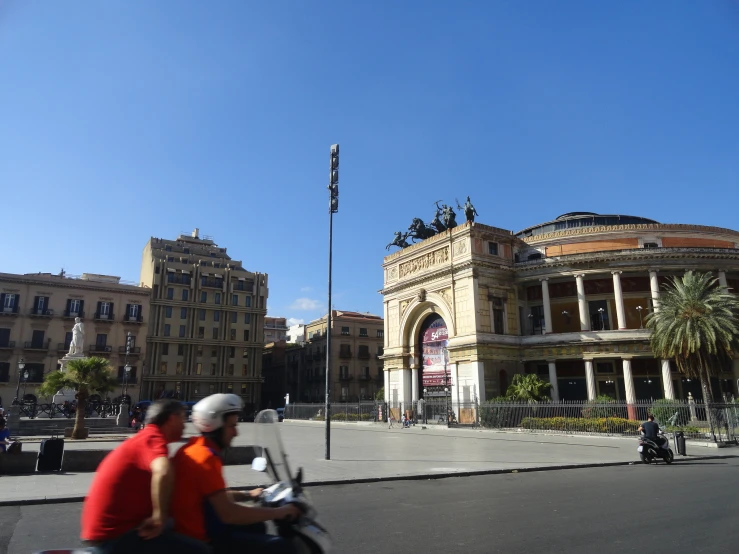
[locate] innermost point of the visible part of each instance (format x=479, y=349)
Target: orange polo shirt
x=198, y=474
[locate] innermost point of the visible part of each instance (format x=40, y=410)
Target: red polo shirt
x=119, y=498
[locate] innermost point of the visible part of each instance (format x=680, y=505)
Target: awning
x=170, y=270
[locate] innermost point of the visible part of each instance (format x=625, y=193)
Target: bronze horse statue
x=399, y=240
x=419, y=230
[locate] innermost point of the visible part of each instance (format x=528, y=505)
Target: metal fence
x=33, y=410
x=719, y=423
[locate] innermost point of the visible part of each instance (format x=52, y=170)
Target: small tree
x=380, y=396
x=529, y=388
x=87, y=376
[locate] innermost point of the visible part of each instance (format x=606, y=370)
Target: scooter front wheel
x=644, y=458
x=669, y=457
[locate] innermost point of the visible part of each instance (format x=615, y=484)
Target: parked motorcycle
x=650, y=451
x=307, y=535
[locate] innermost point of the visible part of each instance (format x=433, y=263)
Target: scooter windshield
x=268, y=437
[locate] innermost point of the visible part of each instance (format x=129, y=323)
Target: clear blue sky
x=125, y=120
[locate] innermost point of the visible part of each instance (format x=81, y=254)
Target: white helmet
x=208, y=414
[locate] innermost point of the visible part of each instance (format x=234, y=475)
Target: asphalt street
x=690, y=506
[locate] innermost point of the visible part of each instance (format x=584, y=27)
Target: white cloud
x=306, y=289
x=294, y=321
x=306, y=304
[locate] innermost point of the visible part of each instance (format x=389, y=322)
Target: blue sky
x=125, y=120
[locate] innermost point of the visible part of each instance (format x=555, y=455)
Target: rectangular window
x=182, y=331
x=199, y=351
x=244, y=370
x=185, y=294
x=493, y=248
x=104, y=308
x=536, y=317
x=235, y=300
x=599, y=315
x=247, y=318
x=178, y=368
x=380, y=334
x=344, y=393
x=215, y=333
x=498, y=314
x=198, y=368
x=201, y=332
x=100, y=341
x=212, y=369
x=234, y=317
x=163, y=368
x=218, y=298
x=203, y=296
x=345, y=331
x=231, y=352
x=214, y=352
x=247, y=301
x=183, y=313
x=216, y=316
x=133, y=312
x=166, y=329
x=362, y=332
x=230, y=369
x=74, y=305
x=201, y=315
x=168, y=311
x=246, y=335
x=211, y=388
x=170, y=293
x=233, y=334
x=243, y=389
x=180, y=349
x=165, y=349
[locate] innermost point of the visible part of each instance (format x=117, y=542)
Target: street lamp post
x=333, y=207
x=124, y=409
x=641, y=324
x=21, y=366
x=25, y=380
x=602, y=321
x=445, y=352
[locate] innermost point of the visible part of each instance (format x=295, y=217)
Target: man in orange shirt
x=126, y=507
x=202, y=508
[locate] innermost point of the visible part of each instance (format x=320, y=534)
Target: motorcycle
x=650, y=450
x=306, y=534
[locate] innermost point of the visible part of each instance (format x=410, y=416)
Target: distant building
x=296, y=333
x=37, y=312
x=275, y=329
x=207, y=329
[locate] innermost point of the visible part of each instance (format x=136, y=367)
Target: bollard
x=680, y=440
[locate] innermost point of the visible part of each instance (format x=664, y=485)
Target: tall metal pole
x=333, y=207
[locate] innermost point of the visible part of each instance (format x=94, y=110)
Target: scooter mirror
x=259, y=464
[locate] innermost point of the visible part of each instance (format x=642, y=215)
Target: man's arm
x=234, y=514
x=162, y=479
x=243, y=496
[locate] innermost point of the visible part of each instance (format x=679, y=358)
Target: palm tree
x=697, y=325
x=527, y=387
x=87, y=376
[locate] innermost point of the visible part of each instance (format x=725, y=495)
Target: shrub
x=495, y=412
x=599, y=407
x=582, y=424
x=664, y=409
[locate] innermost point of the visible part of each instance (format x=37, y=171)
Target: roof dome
x=572, y=220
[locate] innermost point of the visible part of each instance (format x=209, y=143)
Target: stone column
x=387, y=385
x=620, y=313
x=629, y=386
x=667, y=380
x=582, y=303
x=547, y=305
x=553, y=381
x=590, y=378
x=654, y=285
x=722, y=280
x=414, y=384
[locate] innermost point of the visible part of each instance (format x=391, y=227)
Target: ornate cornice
x=598, y=229
x=64, y=283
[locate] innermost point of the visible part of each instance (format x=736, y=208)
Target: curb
x=417, y=477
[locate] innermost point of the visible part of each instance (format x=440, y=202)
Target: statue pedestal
x=122, y=420
x=66, y=394
x=14, y=419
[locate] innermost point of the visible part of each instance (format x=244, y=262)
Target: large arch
x=416, y=313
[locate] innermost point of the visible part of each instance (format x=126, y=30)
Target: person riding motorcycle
x=651, y=431
x=201, y=506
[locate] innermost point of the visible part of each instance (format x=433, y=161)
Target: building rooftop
x=572, y=220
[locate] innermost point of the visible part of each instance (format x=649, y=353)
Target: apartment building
x=275, y=329
x=207, y=320
x=37, y=312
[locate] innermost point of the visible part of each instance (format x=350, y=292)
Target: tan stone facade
x=207, y=321
x=567, y=304
x=37, y=313
x=275, y=329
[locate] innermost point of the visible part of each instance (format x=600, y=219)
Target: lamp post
x=641, y=324
x=445, y=352
x=333, y=207
x=25, y=380
x=124, y=409
x=602, y=321
x=21, y=366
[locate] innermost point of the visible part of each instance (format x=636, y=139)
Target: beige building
x=37, y=313
x=275, y=329
x=207, y=321
x=565, y=299
x=356, y=369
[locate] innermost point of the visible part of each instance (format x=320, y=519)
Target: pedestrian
x=405, y=421
x=4, y=435
x=390, y=419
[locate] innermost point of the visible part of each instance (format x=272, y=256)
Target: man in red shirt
x=126, y=507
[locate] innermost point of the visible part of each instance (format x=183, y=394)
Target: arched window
x=503, y=381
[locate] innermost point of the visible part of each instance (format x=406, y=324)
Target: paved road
x=690, y=506
x=375, y=452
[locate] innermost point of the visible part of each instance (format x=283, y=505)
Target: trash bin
x=680, y=440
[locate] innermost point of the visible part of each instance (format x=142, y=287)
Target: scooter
x=650, y=450
x=307, y=535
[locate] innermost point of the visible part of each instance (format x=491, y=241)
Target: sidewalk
x=370, y=452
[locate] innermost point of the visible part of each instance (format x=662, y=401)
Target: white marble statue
x=78, y=338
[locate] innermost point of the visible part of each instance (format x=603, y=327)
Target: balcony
x=37, y=345
x=365, y=377
x=10, y=344
x=70, y=314
x=364, y=355
x=135, y=351
x=41, y=313
x=178, y=279
x=241, y=286
x=345, y=377
x=134, y=319
x=345, y=354
x=211, y=283
x=62, y=347
x=9, y=310
x=104, y=317
x=100, y=349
